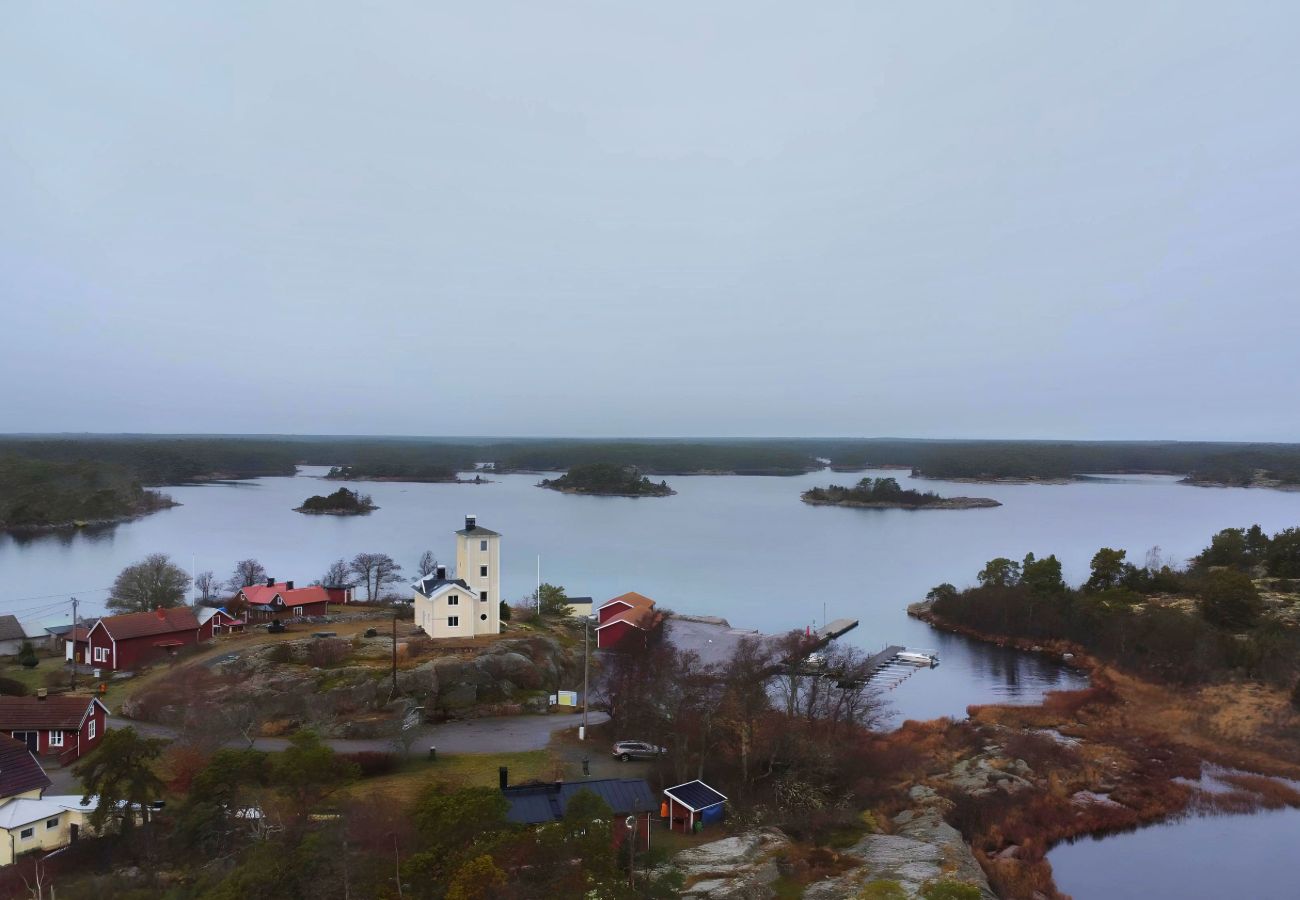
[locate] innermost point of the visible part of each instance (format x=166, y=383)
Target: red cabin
x=625, y=621
x=66, y=726
x=281, y=600
x=136, y=639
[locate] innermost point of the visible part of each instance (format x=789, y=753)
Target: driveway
x=500, y=734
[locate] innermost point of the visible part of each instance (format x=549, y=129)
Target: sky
x=652, y=219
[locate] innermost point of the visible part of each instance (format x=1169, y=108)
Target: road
x=500, y=734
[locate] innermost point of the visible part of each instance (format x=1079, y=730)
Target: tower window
x=453, y=600
x=482, y=571
x=482, y=595
x=453, y=621
x=482, y=545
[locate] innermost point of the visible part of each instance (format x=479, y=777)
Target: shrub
x=280, y=653
x=27, y=656
x=950, y=890
x=505, y=611
x=372, y=762
x=1229, y=599
x=10, y=687
x=325, y=652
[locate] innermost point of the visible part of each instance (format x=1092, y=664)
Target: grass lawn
x=459, y=771
x=33, y=678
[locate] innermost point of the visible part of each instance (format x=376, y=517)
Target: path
x=500, y=734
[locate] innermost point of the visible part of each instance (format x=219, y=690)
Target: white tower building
x=478, y=564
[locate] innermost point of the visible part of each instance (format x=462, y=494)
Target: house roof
x=144, y=624
x=11, y=629
x=203, y=613
x=578, y=601
x=632, y=599
x=65, y=712
x=264, y=595
x=695, y=795
x=532, y=804
x=479, y=531
x=431, y=584
x=637, y=617
x=19, y=770
x=25, y=811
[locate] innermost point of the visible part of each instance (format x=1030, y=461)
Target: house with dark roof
x=63, y=726
x=133, y=640
x=29, y=819
x=625, y=621
x=536, y=803
x=11, y=636
x=691, y=805
x=281, y=600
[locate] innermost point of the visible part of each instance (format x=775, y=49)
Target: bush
x=505, y=611
x=324, y=652
x=371, y=763
x=1229, y=599
x=10, y=687
x=280, y=653
x=27, y=656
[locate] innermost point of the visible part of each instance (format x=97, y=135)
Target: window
x=482, y=595
x=482, y=545
x=297, y=610
x=453, y=600
x=483, y=617
x=453, y=621
x=56, y=738
x=101, y=654
x=51, y=823
x=90, y=735
x=482, y=571
x=26, y=833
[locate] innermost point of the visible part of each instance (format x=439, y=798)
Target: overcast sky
x=669, y=218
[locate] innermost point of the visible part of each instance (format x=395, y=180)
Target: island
x=399, y=471
x=607, y=480
x=343, y=502
x=885, y=493
x=39, y=494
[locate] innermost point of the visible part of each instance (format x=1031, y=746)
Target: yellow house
x=579, y=607
x=26, y=821
x=470, y=603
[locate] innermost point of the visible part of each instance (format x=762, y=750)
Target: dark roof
x=695, y=794
x=10, y=630
x=63, y=711
x=19, y=770
x=58, y=630
x=143, y=624
x=532, y=804
x=430, y=583
x=572, y=600
x=479, y=531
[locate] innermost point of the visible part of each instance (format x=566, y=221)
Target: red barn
x=625, y=621
x=281, y=600
x=65, y=726
x=339, y=593
x=136, y=639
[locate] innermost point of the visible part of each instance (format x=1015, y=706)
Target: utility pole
x=393, y=695
x=539, y=584
x=74, y=645
x=586, y=653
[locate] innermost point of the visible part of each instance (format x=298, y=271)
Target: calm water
x=744, y=548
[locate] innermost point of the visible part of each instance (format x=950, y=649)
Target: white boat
x=918, y=657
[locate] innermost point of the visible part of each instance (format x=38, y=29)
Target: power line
x=66, y=595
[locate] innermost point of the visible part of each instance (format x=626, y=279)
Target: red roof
x=264, y=595
x=19, y=770
x=143, y=624
x=631, y=598
x=638, y=616
x=65, y=712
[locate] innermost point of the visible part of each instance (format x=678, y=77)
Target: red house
x=338, y=593
x=281, y=600
x=222, y=621
x=137, y=639
x=65, y=725
x=625, y=621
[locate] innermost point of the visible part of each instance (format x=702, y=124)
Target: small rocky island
x=399, y=471
x=607, y=480
x=343, y=502
x=886, y=493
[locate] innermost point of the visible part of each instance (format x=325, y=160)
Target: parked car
x=626, y=750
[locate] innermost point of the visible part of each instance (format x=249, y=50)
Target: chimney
x=288, y=585
x=41, y=693
x=503, y=776
x=162, y=616
x=270, y=582
x=470, y=522
x=441, y=572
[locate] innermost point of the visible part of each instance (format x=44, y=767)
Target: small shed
x=692, y=802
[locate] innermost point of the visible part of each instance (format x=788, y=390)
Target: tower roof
x=478, y=531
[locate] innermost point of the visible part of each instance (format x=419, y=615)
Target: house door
x=29, y=737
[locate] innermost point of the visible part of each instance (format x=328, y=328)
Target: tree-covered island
x=343, y=502
x=885, y=493
x=607, y=480
x=430, y=473
x=37, y=494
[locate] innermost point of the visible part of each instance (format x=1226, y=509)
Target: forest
x=607, y=479
x=886, y=493
x=1233, y=610
x=38, y=493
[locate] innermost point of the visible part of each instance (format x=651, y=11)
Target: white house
x=468, y=604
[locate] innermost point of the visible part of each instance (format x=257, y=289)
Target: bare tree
x=337, y=574
x=375, y=570
x=207, y=586
x=428, y=562
x=247, y=572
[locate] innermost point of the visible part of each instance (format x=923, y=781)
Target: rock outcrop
x=741, y=867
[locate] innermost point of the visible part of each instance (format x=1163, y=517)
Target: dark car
x=626, y=750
